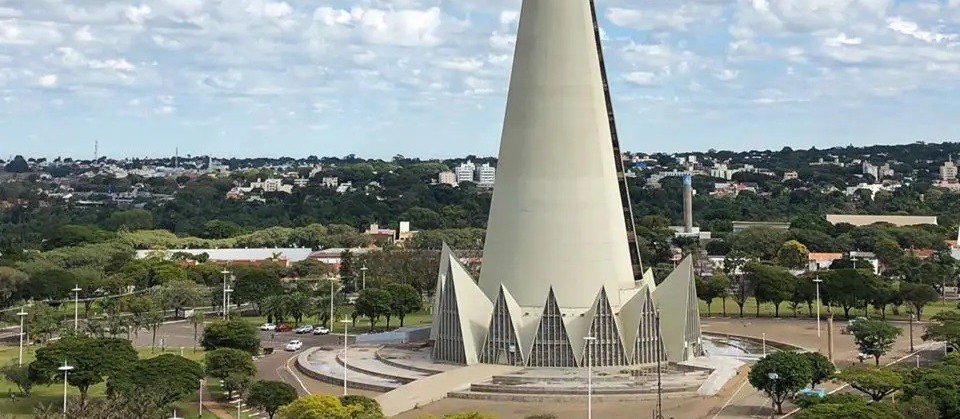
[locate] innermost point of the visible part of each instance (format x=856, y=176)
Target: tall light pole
x=345, y=322
x=911, y=332
x=226, y=311
x=200, y=402
x=331, y=303
x=239, y=405
x=22, y=314
x=363, y=277
x=773, y=378
x=76, y=305
x=224, y=296
x=588, y=341
x=659, y=414
x=817, y=282
x=66, y=369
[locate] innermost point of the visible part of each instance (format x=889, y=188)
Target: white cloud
x=509, y=17
x=642, y=78
x=462, y=64
x=386, y=27
x=841, y=40
x=908, y=28
x=727, y=75
x=680, y=18
x=83, y=34
x=47, y=80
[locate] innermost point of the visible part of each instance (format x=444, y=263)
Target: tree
x=373, y=303
x=793, y=255
x=918, y=295
x=270, y=396
x=255, y=284
x=370, y=409
x=275, y=308
x=874, y=382
x=849, y=287
x=770, y=283
x=853, y=409
x=404, y=299
x=92, y=359
x=918, y=407
x=346, y=269
x=792, y=370
x=317, y=407
x=177, y=295
x=236, y=383
x=732, y=267
x=236, y=334
x=226, y=361
x=17, y=165
x=874, y=337
x=298, y=306
x=42, y=322
x=820, y=367
x=12, y=285
x=165, y=379
x=709, y=288
x=152, y=320
x=197, y=319
x=946, y=329
x=19, y=376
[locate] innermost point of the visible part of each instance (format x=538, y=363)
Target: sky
x=425, y=78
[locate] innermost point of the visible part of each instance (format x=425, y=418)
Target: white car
x=320, y=330
x=294, y=345
x=266, y=327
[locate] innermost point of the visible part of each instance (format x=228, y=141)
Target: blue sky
x=428, y=78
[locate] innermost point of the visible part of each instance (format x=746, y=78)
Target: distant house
x=897, y=220
x=332, y=255
x=739, y=226
x=282, y=256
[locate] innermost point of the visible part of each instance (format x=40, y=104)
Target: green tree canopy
x=166, y=378
x=874, y=337
x=404, y=299
x=92, y=360
x=946, y=329
x=236, y=334
x=270, y=396
x=223, y=362
x=874, y=382
x=780, y=374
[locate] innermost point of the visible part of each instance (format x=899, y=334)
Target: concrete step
x=375, y=367
x=560, y=398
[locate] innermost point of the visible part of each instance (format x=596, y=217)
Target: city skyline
x=428, y=79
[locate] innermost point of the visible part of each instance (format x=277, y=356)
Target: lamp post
x=588, y=341
x=200, y=401
x=331, y=302
x=66, y=369
x=363, y=277
x=226, y=308
x=773, y=407
x=224, y=296
x=76, y=305
x=817, y=282
x=239, y=405
x=22, y=314
x=659, y=413
x=175, y=415
x=345, y=322
x=911, y=332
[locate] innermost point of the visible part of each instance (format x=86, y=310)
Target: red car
x=284, y=328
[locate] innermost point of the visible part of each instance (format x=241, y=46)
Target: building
x=869, y=169
x=447, y=178
x=948, y=171
x=721, y=171
x=897, y=220
x=280, y=255
x=791, y=175
x=739, y=226
x=465, y=172
x=330, y=182
x=486, y=174
x=333, y=255
x=560, y=258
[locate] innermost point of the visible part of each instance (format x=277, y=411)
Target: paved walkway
x=436, y=387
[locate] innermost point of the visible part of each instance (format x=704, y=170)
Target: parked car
x=320, y=330
x=303, y=329
x=266, y=327
x=294, y=345
x=283, y=328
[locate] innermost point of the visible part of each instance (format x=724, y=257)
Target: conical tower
x=560, y=213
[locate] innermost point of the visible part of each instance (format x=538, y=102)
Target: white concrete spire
x=557, y=217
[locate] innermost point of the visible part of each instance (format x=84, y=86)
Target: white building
x=869, y=169
x=948, y=171
x=330, y=182
x=486, y=174
x=465, y=172
x=722, y=171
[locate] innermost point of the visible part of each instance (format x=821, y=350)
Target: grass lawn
x=363, y=325
x=53, y=394
x=766, y=310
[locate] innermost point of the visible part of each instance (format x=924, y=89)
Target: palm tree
x=275, y=306
x=298, y=305
x=196, y=320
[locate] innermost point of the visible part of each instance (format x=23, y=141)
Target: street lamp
x=239, y=405
x=659, y=414
x=588, y=341
x=200, y=402
x=911, y=332
x=66, y=369
x=226, y=310
x=175, y=415
x=76, y=305
x=363, y=277
x=224, y=296
x=773, y=378
x=22, y=314
x=345, y=322
x=817, y=282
